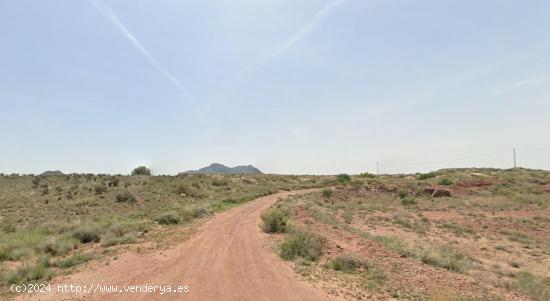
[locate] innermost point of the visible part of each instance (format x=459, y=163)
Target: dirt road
x=229, y=258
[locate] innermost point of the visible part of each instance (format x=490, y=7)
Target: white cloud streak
x=529, y=82
x=299, y=35
x=16, y=120
x=110, y=14
x=522, y=84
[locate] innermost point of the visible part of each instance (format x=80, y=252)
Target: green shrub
x=87, y=233
x=444, y=257
x=537, y=287
x=302, y=244
x=342, y=178
x=327, y=193
x=35, y=182
x=141, y=171
x=168, y=218
x=27, y=273
x=219, y=183
x=125, y=197
x=182, y=190
x=408, y=201
x=56, y=246
x=14, y=252
x=117, y=230
x=119, y=234
x=112, y=239
x=109, y=240
x=275, y=221
x=367, y=175
x=113, y=182
x=445, y=181
x=57, y=227
x=346, y=264
x=402, y=193
x=199, y=212
x=73, y=261
x=230, y=201
x=425, y=176
x=100, y=189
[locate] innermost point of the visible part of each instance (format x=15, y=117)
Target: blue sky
x=291, y=86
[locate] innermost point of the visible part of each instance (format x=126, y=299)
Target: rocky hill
x=216, y=168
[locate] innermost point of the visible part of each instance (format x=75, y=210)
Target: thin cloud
x=299, y=35
x=522, y=84
x=16, y=120
x=110, y=14
x=529, y=82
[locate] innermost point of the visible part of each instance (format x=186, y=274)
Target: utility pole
x=377, y=168
x=515, y=165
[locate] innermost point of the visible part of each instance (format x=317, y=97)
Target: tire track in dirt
x=229, y=258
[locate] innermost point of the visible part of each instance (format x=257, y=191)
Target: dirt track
x=227, y=259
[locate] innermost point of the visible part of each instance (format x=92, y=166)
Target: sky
x=290, y=86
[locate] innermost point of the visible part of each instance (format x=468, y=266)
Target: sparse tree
x=141, y=171
x=342, y=178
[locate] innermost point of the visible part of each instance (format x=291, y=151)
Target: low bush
x=327, y=193
x=73, y=261
x=302, y=244
x=100, y=189
x=219, y=183
x=27, y=273
x=57, y=227
x=425, y=176
x=182, y=189
x=199, y=212
x=408, y=201
x=367, y=175
x=275, y=221
x=346, y=264
x=125, y=197
x=112, y=239
x=113, y=182
x=445, y=182
x=534, y=286
x=87, y=233
x=168, y=218
x=118, y=230
x=14, y=252
x=402, y=193
x=56, y=246
x=120, y=234
x=444, y=257
x=342, y=178
x=230, y=201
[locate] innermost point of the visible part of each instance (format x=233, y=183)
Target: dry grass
x=47, y=222
x=492, y=230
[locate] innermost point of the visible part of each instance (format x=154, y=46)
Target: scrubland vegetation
x=467, y=234
x=51, y=224
x=470, y=234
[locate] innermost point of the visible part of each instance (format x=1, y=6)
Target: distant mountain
x=52, y=173
x=222, y=169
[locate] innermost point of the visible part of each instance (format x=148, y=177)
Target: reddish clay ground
x=227, y=259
